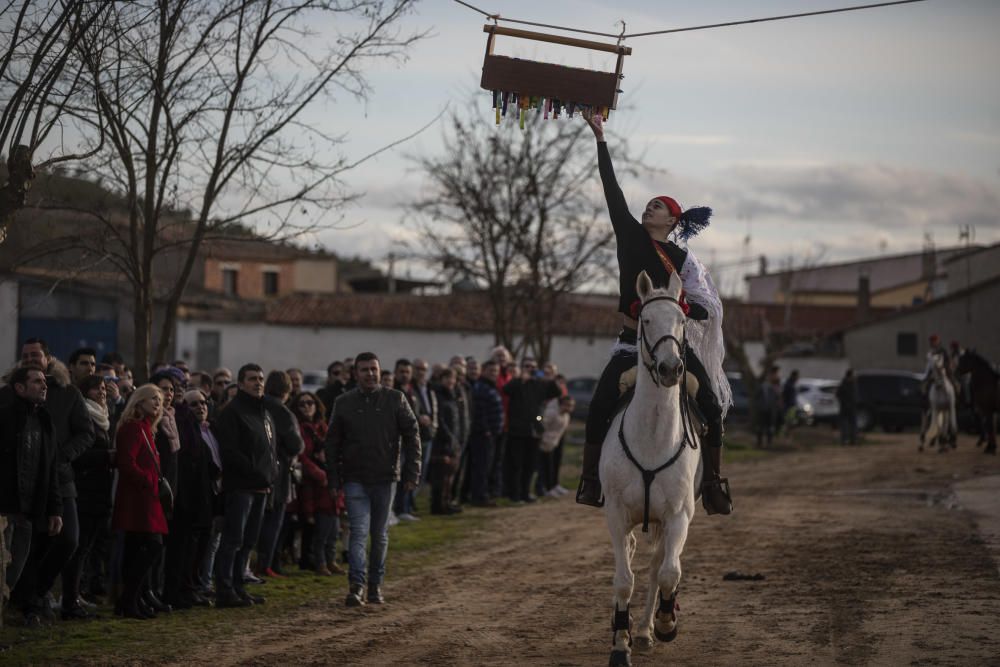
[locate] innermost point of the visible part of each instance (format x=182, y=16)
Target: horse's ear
x=643, y=286
x=674, y=286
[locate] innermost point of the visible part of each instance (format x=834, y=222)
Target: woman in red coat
x=317, y=506
x=137, y=510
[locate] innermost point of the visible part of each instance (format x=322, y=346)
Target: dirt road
x=867, y=556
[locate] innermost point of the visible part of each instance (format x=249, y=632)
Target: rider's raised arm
x=612, y=191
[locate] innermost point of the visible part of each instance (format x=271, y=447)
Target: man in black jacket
x=362, y=447
x=246, y=435
x=74, y=435
x=29, y=483
x=447, y=444
x=527, y=394
x=277, y=389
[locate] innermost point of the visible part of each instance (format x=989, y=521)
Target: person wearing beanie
x=646, y=246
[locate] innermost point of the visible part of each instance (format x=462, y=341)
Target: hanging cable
x=773, y=18
x=477, y=9
x=496, y=17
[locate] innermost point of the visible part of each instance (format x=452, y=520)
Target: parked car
x=741, y=402
x=817, y=400
x=313, y=380
x=894, y=401
x=581, y=389
x=890, y=399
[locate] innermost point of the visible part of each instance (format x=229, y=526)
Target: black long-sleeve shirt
x=636, y=252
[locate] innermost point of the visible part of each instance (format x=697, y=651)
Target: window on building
x=906, y=344
x=270, y=283
x=229, y=277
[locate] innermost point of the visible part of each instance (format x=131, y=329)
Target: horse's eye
x=645, y=320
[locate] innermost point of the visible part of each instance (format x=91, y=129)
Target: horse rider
x=948, y=361
x=646, y=247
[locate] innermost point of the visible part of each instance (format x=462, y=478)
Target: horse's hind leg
x=925, y=425
x=644, y=632
x=674, y=537
x=623, y=543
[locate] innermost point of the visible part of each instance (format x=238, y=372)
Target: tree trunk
x=143, y=322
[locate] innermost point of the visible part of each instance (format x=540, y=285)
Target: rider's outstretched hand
x=596, y=122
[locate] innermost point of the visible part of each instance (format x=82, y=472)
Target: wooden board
x=535, y=79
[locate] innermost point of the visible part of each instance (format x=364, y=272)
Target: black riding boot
x=714, y=488
x=589, y=492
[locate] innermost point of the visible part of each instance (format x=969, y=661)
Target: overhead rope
x=497, y=17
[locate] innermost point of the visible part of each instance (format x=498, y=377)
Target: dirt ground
x=868, y=556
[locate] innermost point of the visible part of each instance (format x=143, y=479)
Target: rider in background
x=938, y=350
x=646, y=247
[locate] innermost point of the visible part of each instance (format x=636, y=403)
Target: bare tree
x=40, y=77
x=520, y=214
x=205, y=107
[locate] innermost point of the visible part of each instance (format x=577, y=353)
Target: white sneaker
x=561, y=490
x=406, y=516
x=393, y=519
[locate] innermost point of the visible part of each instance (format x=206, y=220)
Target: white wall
x=8, y=324
x=280, y=346
x=973, y=321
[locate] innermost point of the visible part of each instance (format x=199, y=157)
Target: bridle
x=651, y=349
x=649, y=475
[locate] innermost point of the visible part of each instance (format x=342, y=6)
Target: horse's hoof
x=667, y=636
x=620, y=659
x=642, y=644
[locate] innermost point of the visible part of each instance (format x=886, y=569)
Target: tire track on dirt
x=880, y=577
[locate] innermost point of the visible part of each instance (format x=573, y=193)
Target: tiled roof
x=256, y=249
x=799, y=321
x=469, y=312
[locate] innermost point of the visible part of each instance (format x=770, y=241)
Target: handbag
x=537, y=427
x=163, y=490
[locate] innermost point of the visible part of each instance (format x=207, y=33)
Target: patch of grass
x=109, y=639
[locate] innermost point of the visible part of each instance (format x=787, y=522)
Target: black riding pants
x=605, y=401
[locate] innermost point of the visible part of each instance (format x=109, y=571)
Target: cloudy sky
x=825, y=138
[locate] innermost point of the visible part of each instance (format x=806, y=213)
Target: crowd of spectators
x=182, y=491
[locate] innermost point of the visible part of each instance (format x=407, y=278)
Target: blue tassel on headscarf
x=693, y=221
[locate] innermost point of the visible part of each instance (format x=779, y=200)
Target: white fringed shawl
x=705, y=337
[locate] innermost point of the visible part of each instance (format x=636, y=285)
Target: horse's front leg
x=644, y=632
x=623, y=543
x=669, y=575
x=953, y=422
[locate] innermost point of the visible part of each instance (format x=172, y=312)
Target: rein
x=685, y=411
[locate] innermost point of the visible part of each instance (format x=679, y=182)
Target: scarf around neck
x=99, y=414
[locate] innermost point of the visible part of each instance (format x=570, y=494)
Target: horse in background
x=649, y=477
x=940, y=424
x=984, y=392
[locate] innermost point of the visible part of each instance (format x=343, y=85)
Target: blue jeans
x=243, y=516
x=368, y=508
x=207, y=566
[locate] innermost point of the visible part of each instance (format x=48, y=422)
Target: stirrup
x=708, y=487
x=589, y=493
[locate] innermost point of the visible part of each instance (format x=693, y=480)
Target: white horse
x=940, y=424
x=652, y=433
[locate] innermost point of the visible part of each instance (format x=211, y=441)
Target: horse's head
x=964, y=364
x=661, y=330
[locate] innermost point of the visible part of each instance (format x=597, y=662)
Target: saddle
x=626, y=389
